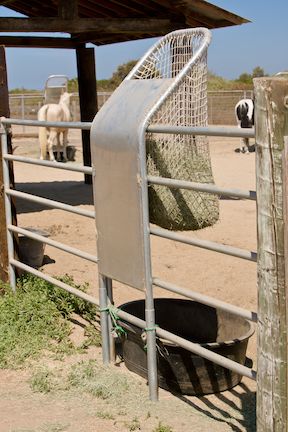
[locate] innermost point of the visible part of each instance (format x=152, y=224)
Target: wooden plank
x=4, y=111
x=212, y=11
x=68, y=10
x=87, y=98
x=83, y=25
x=271, y=125
x=38, y=42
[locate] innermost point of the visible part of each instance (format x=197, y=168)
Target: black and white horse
x=244, y=112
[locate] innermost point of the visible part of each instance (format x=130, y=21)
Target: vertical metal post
x=151, y=345
x=103, y=302
x=149, y=299
x=111, y=337
x=8, y=207
x=22, y=111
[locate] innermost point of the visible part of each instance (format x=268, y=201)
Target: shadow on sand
x=240, y=417
x=69, y=192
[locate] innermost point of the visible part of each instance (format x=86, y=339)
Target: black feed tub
x=180, y=370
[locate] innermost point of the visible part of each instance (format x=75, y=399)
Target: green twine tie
x=113, y=312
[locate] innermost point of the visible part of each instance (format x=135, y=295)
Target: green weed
x=36, y=317
x=105, y=415
x=133, y=425
x=162, y=428
x=42, y=380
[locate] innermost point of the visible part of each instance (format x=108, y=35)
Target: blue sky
x=233, y=50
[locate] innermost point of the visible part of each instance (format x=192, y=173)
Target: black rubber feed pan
x=180, y=370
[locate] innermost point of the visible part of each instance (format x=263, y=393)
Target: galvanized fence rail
x=221, y=105
x=105, y=282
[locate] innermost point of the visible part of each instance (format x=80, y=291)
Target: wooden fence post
x=87, y=98
x=271, y=126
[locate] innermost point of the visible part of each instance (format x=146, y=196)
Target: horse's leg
x=245, y=148
x=51, y=141
x=64, y=144
x=58, y=147
x=43, y=142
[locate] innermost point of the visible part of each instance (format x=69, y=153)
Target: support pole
x=271, y=126
x=111, y=336
x=103, y=303
x=8, y=211
x=87, y=98
x=4, y=111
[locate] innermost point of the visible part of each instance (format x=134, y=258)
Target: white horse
x=50, y=136
x=244, y=112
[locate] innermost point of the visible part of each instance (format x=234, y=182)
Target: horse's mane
x=65, y=98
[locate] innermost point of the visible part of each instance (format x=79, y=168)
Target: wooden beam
x=87, y=98
x=106, y=38
x=271, y=126
x=38, y=42
x=83, y=25
x=208, y=10
x=68, y=10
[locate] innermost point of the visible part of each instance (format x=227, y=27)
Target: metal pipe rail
x=205, y=244
x=202, y=187
x=190, y=346
x=58, y=283
x=58, y=165
x=50, y=203
x=54, y=243
x=233, y=132
x=209, y=301
x=64, y=125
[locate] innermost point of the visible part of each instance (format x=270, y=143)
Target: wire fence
x=220, y=105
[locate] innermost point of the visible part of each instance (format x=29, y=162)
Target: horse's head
x=65, y=98
x=245, y=113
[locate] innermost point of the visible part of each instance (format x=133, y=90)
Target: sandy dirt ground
x=223, y=277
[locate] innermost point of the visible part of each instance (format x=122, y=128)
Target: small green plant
x=84, y=375
x=105, y=415
x=42, y=380
x=92, y=336
x=36, y=317
x=133, y=425
x=162, y=428
x=98, y=380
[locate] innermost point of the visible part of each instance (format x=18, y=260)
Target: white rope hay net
x=182, y=57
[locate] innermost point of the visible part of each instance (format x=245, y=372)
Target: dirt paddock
x=230, y=279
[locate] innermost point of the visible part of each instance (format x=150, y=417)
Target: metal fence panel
x=220, y=105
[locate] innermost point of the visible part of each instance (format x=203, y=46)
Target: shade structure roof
x=108, y=21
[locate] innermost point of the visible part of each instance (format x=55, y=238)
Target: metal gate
x=272, y=157
x=55, y=85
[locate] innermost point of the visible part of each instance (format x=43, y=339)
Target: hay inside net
x=182, y=157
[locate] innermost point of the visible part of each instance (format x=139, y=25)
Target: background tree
x=245, y=78
x=73, y=85
x=121, y=72
x=258, y=72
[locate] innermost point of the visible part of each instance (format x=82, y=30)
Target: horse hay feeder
x=167, y=87
x=180, y=370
